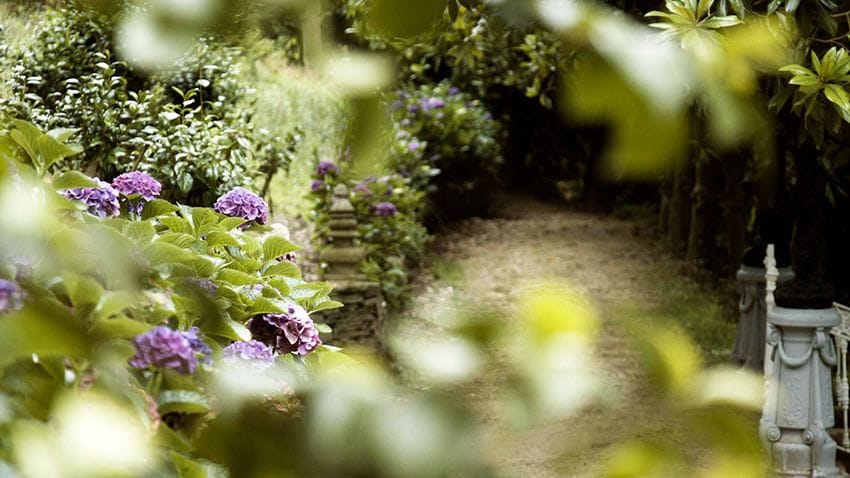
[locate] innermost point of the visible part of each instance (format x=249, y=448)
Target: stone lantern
x=360, y=321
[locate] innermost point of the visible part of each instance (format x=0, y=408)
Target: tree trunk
x=704, y=251
x=678, y=220
x=735, y=208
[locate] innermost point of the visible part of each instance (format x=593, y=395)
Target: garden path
x=611, y=261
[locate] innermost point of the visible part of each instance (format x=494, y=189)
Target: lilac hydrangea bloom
x=362, y=188
x=385, y=209
x=102, y=201
x=432, y=103
x=316, y=185
x=164, y=347
x=196, y=341
x=290, y=332
x=413, y=108
x=414, y=145
x=454, y=90
x=326, y=167
x=11, y=296
x=137, y=182
x=243, y=203
x=259, y=354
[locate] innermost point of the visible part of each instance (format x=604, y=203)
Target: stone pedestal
x=361, y=321
x=798, y=407
x=752, y=322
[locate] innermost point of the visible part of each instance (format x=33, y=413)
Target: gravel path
x=610, y=261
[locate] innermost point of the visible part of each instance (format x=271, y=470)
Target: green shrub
x=183, y=126
x=389, y=211
x=458, y=139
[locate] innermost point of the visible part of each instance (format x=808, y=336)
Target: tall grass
x=294, y=99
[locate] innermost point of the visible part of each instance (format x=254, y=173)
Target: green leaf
x=797, y=70
x=234, y=277
x=72, y=180
x=44, y=328
x=230, y=223
x=160, y=253
x=188, y=468
x=112, y=303
x=283, y=268
x=276, y=246
x=176, y=224
x=118, y=328
x=837, y=95
x=142, y=232
x=204, y=220
x=721, y=22
x=85, y=293
x=323, y=328
x=326, y=305
x=179, y=239
x=266, y=306
x=219, y=238
x=182, y=401
x=158, y=207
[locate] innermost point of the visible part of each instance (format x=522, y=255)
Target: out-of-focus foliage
x=182, y=125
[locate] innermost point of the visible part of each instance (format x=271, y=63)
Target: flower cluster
x=317, y=185
x=385, y=209
x=167, y=348
x=11, y=296
x=259, y=354
x=290, y=332
x=243, y=203
x=102, y=201
x=432, y=103
x=137, y=183
x=326, y=167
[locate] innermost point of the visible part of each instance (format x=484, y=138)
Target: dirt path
x=606, y=259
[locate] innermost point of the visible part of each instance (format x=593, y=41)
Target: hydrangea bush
x=156, y=300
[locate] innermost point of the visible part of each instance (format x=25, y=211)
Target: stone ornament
x=798, y=407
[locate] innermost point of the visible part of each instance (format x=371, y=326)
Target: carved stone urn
x=798, y=407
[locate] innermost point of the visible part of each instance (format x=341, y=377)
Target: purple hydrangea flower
x=432, y=103
x=317, y=185
x=414, y=145
x=243, y=203
x=326, y=167
x=137, y=182
x=259, y=354
x=454, y=90
x=385, y=209
x=290, y=332
x=362, y=188
x=289, y=256
x=164, y=347
x=102, y=201
x=11, y=297
x=196, y=341
x=412, y=108
x=396, y=105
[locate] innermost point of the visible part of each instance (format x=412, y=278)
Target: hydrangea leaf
x=182, y=401
x=156, y=208
x=276, y=246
